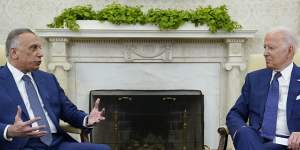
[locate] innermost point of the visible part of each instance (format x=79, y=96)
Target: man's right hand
x=24, y=129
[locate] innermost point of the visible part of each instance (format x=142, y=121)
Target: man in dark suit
x=32, y=102
x=266, y=116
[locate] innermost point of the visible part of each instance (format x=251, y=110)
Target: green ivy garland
x=166, y=19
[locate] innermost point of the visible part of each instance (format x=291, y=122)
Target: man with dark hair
x=32, y=101
x=270, y=100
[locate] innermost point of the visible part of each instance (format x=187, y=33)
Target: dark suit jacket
x=251, y=103
x=55, y=101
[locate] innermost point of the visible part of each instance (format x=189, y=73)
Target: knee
x=245, y=133
x=249, y=137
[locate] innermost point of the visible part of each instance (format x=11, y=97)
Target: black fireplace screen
x=150, y=119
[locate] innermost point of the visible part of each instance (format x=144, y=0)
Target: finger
x=29, y=122
x=18, y=115
x=102, y=112
x=96, y=106
x=33, y=129
x=37, y=133
x=297, y=142
x=290, y=141
x=101, y=118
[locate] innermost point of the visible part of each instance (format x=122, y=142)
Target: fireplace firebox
x=150, y=119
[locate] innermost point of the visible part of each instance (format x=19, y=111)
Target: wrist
x=9, y=131
x=87, y=122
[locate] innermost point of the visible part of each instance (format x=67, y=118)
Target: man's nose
x=266, y=52
x=40, y=53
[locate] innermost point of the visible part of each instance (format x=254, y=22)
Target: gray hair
x=12, y=38
x=289, y=37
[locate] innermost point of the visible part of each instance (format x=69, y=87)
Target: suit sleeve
x=239, y=113
x=2, y=128
x=69, y=112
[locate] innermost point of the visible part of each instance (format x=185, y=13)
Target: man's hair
x=12, y=38
x=288, y=36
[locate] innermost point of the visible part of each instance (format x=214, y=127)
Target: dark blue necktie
x=37, y=109
x=271, y=107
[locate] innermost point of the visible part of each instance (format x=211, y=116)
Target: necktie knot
x=26, y=78
x=277, y=75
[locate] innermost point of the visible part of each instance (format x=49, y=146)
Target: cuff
x=85, y=122
x=5, y=134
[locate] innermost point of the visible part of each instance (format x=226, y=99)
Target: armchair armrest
x=223, y=132
x=84, y=135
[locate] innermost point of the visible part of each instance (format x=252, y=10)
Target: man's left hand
x=294, y=141
x=95, y=115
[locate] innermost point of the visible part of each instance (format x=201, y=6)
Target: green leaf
x=166, y=19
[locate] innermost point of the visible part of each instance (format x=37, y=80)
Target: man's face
x=28, y=55
x=278, y=54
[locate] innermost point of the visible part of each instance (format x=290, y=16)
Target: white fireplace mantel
x=151, y=59
x=133, y=33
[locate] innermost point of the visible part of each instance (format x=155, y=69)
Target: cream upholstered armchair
x=255, y=62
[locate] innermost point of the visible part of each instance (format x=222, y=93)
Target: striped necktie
x=37, y=109
x=271, y=107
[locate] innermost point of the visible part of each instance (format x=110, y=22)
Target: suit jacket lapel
x=293, y=90
x=265, y=89
x=12, y=90
x=42, y=87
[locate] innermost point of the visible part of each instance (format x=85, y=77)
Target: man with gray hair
x=266, y=116
x=32, y=102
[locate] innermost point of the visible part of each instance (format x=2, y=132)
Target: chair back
x=2, y=56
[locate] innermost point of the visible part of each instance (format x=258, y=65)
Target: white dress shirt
x=284, y=82
x=17, y=75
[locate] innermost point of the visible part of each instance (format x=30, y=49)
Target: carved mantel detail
x=235, y=65
x=148, y=50
x=58, y=63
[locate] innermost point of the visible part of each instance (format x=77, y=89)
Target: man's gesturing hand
x=24, y=129
x=294, y=141
x=95, y=115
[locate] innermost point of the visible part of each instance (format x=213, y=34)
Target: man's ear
x=13, y=53
x=291, y=51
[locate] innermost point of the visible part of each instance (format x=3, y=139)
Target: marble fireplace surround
x=130, y=59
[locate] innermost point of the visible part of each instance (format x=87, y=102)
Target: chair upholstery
x=257, y=61
x=2, y=55
x=84, y=136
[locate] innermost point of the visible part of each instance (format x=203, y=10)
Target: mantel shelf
x=145, y=34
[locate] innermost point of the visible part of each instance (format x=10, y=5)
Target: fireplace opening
x=150, y=119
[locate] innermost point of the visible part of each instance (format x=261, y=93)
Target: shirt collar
x=17, y=74
x=286, y=72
